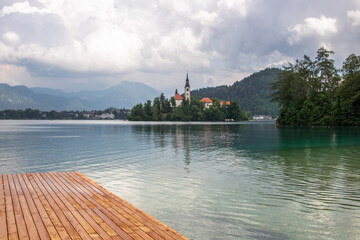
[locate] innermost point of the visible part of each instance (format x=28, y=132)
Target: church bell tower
x=187, y=88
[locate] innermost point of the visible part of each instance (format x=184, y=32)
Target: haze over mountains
x=124, y=95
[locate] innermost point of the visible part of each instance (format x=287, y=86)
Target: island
x=186, y=108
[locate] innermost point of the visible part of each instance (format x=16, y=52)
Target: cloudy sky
x=93, y=44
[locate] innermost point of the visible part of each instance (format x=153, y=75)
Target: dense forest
x=253, y=93
x=160, y=110
x=315, y=92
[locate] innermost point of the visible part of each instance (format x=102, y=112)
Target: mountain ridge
x=124, y=95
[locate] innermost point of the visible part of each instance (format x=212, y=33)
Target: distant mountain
x=21, y=97
x=252, y=93
x=124, y=95
x=49, y=91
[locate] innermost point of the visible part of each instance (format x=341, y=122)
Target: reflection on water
x=207, y=181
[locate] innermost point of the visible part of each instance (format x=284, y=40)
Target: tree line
x=160, y=110
x=36, y=114
x=315, y=92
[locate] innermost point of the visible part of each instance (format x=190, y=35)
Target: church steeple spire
x=187, y=88
x=187, y=80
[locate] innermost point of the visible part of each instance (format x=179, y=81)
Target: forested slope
x=253, y=93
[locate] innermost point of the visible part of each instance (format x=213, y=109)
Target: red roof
x=178, y=97
x=223, y=102
x=206, y=100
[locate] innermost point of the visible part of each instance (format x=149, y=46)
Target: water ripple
x=251, y=181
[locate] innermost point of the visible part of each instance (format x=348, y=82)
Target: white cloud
x=22, y=7
x=15, y=75
x=206, y=18
x=6, y=53
x=154, y=41
x=10, y=37
x=111, y=37
x=182, y=45
x=322, y=27
x=326, y=45
x=233, y=78
x=274, y=59
x=108, y=38
x=355, y=17
x=239, y=6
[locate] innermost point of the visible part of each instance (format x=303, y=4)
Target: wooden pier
x=69, y=205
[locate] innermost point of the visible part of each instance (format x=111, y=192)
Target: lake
x=247, y=180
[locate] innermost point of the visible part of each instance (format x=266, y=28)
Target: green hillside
x=253, y=93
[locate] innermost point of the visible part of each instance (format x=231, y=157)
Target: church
x=179, y=99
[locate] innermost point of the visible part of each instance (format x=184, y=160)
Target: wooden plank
x=136, y=225
x=138, y=229
x=67, y=206
x=71, y=206
x=116, y=211
x=29, y=207
x=26, y=214
x=96, y=231
x=146, y=219
x=10, y=216
x=103, y=202
x=48, y=217
x=3, y=226
x=134, y=231
x=33, y=211
x=19, y=216
x=51, y=208
x=117, y=217
x=150, y=228
x=65, y=216
x=107, y=214
x=105, y=230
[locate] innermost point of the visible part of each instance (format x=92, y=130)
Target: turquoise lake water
x=207, y=181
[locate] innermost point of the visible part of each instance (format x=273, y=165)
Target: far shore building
x=178, y=99
x=262, y=117
x=207, y=102
x=226, y=103
x=105, y=116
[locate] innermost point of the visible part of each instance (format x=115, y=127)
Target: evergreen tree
x=326, y=71
x=348, y=111
x=310, y=93
x=137, y=113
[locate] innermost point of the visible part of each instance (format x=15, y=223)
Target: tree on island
x=160, y=110
x=316, y=93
